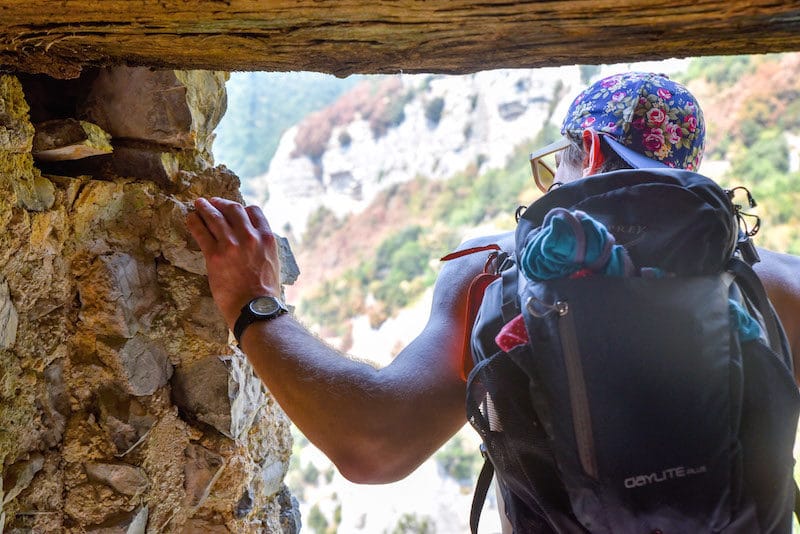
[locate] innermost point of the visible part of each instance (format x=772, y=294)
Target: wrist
x=259, y=309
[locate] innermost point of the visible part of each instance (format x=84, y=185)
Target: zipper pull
x=541, y=309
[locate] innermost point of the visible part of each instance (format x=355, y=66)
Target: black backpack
x=633, y=407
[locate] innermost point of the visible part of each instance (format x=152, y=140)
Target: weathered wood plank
x=382, y=36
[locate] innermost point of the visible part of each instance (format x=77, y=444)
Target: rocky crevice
x=123, y=407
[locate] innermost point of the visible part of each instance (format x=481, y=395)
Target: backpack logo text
x=667, y=474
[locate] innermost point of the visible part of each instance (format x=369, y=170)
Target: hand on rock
x=240, y=250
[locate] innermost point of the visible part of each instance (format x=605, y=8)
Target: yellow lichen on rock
x=103, y=303
x=16, y=131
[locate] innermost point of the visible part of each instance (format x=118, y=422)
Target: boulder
x=173, y=108
x=20, y=475
x=131, y=523
x=145, y=364
x=9, y=320
x=69, y=139
x=201, y=470
x=117, y=293
x=145, y=163
x=222, y=391
x=123, y=478
x=16, y=131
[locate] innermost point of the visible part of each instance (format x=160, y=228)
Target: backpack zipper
x=578, y=397
x=576, y=383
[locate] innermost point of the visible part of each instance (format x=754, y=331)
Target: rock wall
x=123, y=408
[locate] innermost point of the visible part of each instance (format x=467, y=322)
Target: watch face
x=265, y=306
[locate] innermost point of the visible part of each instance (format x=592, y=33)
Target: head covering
x=647, y=119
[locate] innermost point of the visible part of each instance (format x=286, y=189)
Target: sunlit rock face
x=109, y=337
x=381, y=134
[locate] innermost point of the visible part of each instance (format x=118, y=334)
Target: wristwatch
x=258, y=309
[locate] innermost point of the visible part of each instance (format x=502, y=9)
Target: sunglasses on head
x=543, y=164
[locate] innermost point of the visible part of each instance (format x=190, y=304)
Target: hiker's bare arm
x=377, y=425
x=781, y=276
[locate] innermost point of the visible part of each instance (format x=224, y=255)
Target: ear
x=593, y=158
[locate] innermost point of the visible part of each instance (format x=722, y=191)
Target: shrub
x=767, y=157
x=719, y=70
x=311, y=474
x=459, y=460
x=414, y=524
x=317, y=521
x=433, y=110
x=344, y=139
x=321, y=223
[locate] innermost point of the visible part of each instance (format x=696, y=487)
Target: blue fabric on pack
x=570, y=241
x=748, y=328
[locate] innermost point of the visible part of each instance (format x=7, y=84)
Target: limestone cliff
x=388, y=132
x=123, y=408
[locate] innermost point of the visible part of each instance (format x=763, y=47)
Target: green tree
x=261, y=106
x=459, y=460
x=767, y=158
x=317, y=521
x=311, y=474
x=721, y=70
x=433, y=110
x=414, y=524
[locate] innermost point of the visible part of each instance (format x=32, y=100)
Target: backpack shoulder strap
x=481, y=490
x=474, y=297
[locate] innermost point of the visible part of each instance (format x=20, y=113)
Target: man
x=378, y=425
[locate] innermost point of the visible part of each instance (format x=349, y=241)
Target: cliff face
x=122, y=406
x=388, y=132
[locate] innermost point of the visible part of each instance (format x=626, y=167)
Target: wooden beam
x=348, y=36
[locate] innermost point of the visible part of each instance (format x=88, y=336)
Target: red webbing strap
x=474, y=298
x=468, y=251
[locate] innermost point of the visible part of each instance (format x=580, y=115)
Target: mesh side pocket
x=499, y=408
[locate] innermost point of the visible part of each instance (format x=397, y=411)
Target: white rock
x=9, y=320
x=123, y=478
x=484, y=118
x=146, y=365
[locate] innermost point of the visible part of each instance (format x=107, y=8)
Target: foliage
x=400, y=270
x=317, y=521
x=380, y=101
x=344, y=139
x=320, y=225
x=459, y=460
x=470, y=198
x=761, y=111
x=414, y=524
x=389, y=113
x=433, y=110
x=766, y=158
x=268, y=103
x=402, y=265
x=721, y=70
x=311, y=474
x=329, y=474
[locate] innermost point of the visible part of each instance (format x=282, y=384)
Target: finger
x=200, y=232
x=258, y=219
x=213, y=219
x=237, y=218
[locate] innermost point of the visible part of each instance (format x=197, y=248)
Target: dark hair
x=574, y=155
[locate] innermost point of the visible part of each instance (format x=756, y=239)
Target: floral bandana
x=646, y=112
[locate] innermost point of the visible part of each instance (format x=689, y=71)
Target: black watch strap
x=248, y=316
